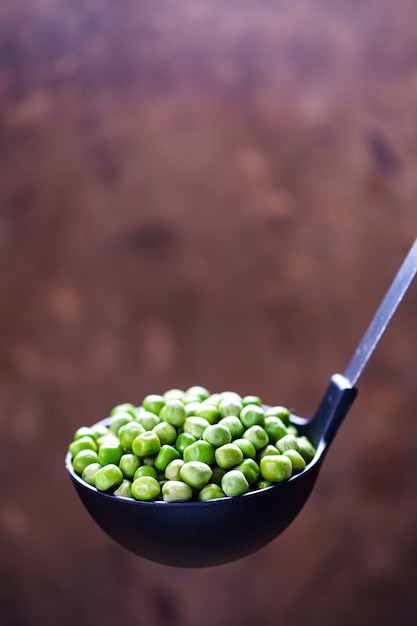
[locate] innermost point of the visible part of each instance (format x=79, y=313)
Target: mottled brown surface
x=214, y=193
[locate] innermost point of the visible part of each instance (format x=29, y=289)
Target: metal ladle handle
x=382, y=317
x=341, y=391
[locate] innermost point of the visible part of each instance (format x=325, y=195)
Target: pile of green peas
x=190, y=445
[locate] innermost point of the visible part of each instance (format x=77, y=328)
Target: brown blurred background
x=212, y=193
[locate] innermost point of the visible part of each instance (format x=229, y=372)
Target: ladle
x=202, y=534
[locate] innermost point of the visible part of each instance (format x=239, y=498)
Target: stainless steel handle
x=382, y=317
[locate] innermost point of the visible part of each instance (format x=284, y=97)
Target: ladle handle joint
x=336, y=402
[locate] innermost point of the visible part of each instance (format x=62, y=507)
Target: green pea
x=305, y=448
x=110, y=452
x=247, y=447
x=172, y=470
x=173, y=412
x=153, y=403
x=233, y=423
x=129, y=463
x=190, y=399
x=176, y=491
x=124, y=490
x=108, y=436
x=145, y=470
x=228, y=455
x=140, y=410
x=217, y=435
x=85, y=431
x=288, y=442
x=209, y=411
x=297, y=460
x=275, y=468
x=146, y=444
x=211, y=492
x=196, y=474
x=250, y=469
x=230, y=406
x=195, y=426
x=146, y=488
x=230, y=395
x=165, y=455
x=83, y=443
x=183, y=440
x=199, y=391
x=167, y=433
x=280, y=411
x=108, y=477
x=251, y=400
x=252, y=414
x=257, y=435
x=275, y=428
x=89, y=473
x=234, y=483
x=173, y=394
x=213, y=399
x=192, y=408
x=118, y=420
x=292, y=430
x=147, y=419
x=84, y=458
x=263, y=484
x=269, y=449
x=126, y=407
x=98, y=431
x=218, y=474
x=200, y=450
x=129, y=432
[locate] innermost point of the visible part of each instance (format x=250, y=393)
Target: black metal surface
x=199, y=534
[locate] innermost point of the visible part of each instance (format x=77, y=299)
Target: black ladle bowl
x=202, y=534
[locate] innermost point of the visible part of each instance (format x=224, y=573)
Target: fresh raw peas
x=82, y=443
x=146, y=444
x=234, y=483
x=252, y=414
x=196, y=473
x=129, y=432
x=196, y=426
x=124, y=490
x=129, y=463
x=172, y=470
x=173, y=412
x=83, y=459
x=166, y=433
x=200, y=450
x=176, y=491
x=182, y=446
x=228, y=456
x=153, y=403
x=165, y=455
x=217, y=435
x=211, y=492
x=276, y=467
x=108, y=477
x=110, y=451
x=146, y=488
x=89, y=473
x=183, y=440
